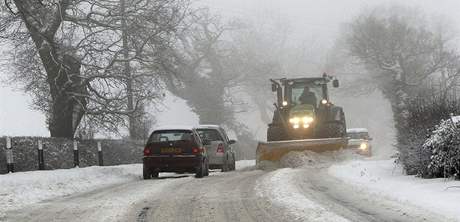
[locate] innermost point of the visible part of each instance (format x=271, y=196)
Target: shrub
x=444, y=147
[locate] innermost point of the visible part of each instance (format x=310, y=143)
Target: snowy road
x=299, y=194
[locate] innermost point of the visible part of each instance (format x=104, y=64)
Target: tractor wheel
x=275, y=133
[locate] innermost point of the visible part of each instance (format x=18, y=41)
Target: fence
x=37, y=153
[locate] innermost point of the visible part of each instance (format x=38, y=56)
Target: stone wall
x=58, y=153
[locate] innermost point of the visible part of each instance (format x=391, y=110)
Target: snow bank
x=279, y=186
x=312, y=159
x=20, y=189
x=245, y=164
x=385, y=179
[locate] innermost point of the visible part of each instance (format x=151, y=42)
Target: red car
x=175, y=149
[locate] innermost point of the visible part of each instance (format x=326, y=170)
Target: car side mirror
x=274, y=88
x=231, y=141
x=206, y=142
x=335, y=83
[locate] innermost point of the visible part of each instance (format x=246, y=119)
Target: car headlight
x=363, y=146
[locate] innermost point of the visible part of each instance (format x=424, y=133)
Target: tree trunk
x=133, y=121
x=67, y=108
x=67, y=100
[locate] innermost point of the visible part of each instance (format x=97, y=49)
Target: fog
x=312, y=21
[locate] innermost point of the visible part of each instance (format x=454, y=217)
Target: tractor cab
x=301, y=91
x=302, y=104
x=303, y=119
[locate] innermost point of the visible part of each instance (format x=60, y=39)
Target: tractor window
x=312, y=96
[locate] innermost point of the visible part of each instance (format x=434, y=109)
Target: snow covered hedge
x=444, y=149
x=424, y=121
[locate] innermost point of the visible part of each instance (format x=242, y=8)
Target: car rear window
x=171, y=135
x=210, y=134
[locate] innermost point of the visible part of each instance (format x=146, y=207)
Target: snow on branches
x=444, y=146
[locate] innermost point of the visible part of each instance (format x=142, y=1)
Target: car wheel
x=225, y=166
x=206, y=173
x=200, y=171
x=155, y=174
x=146, y=173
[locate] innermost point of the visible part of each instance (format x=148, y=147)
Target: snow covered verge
x=385, y=179
x=20, y=189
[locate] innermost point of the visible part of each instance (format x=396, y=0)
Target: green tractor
x=304, y=110
x=304, y=119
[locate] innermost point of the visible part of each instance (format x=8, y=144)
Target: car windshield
x=171, y=135
x=306, y=94
x=210, y=134
x=358, y=135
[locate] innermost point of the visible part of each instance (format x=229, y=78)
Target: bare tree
x=91, y=55
x=202, y=66
x=402, y=51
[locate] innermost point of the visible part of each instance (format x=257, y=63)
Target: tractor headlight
x=285, y=103
x=307, y=119
x=303, y=121
x=363, y=146
x=295, y=120
x=324, y=101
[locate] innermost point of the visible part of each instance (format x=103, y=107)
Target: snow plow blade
x=272, y=152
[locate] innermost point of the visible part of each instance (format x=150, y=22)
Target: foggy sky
x=319, y=19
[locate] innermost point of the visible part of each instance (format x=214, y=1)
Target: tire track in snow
x=279, y=186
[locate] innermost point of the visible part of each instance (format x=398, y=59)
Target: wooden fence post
x=9, y=156
x=100, y=155
x=76, y=156
x=41, y=160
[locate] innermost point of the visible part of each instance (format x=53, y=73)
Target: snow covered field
x=385, y=179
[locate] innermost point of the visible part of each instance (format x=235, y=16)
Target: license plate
x=171, y=150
